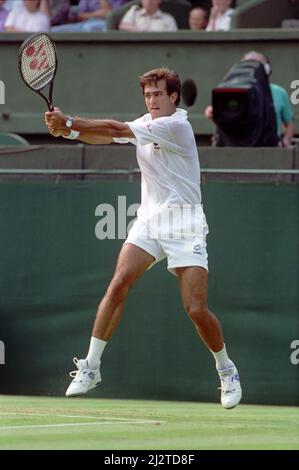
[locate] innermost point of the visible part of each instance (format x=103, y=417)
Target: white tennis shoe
x=85, y=379
x=231, y=392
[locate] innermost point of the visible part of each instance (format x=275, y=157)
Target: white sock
x=95, y=352
x=222, y=359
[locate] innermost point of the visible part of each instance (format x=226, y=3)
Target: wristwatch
x=69, y=122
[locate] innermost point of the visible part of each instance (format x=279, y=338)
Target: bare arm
x=102, y=128
x=12, y=29
x=289, y=131
x=92, y=131
x=95, y=140
x=212, y=19
x=86, y=138
x=44, y=8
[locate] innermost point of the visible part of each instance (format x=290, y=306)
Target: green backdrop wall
x=54, y=270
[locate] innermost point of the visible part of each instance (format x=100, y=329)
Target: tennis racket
x=38, y=64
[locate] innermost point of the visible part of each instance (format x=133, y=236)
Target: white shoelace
x=85, y=377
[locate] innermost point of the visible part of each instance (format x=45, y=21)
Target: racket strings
x=38, y=62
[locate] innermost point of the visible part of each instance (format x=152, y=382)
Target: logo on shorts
x=197, y=249
x=156, y=146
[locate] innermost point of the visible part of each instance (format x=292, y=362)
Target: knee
x=197, y=311
x=120, y=285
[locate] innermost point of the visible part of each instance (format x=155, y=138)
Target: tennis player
x=168, y=160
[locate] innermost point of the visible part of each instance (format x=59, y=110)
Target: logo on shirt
x=149, y=126
x=197, y=249
x=156, y=146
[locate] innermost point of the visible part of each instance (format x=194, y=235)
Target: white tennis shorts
x=176, y=233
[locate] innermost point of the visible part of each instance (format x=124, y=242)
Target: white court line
x=129, y=420
x=64, y=425
x=106, y=421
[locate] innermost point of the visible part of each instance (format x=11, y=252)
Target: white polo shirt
x=168, y=160
x=223, y=21
x=159, y=21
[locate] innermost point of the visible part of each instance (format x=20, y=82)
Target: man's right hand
x=53, y=131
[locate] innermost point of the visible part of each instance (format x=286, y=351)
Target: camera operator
x=282, y=106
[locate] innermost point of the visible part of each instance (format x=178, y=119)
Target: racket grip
x=50, y=107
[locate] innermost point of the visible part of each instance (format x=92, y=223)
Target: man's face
x=157, y=100
x=151, y=6
x=198, y=19
x=32, y=5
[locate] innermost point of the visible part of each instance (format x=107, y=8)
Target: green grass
x=130, y=424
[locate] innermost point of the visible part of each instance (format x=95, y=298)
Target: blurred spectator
x=148, y=17
x=27, y=18
x=91, y=16
x=59, y=11
x=292, y=23
x=220, y=15
x=282, y=106
x=3, y=14
x=198, y=18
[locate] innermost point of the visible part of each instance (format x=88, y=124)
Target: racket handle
x=50, y=106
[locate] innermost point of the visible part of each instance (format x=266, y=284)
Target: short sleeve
x=154, y=131
x=124, y=140
x=129, y=16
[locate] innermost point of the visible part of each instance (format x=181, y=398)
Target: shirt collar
x=180, y=113
x=158, y=13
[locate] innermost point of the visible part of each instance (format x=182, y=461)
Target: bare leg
x=193, y=284
x=132, y=263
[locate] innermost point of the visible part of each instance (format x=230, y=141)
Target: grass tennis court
x=82, y=423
